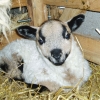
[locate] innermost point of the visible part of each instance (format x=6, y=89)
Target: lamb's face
x=53, y=37
x=54, y=40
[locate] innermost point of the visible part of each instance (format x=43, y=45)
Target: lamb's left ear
x=75, y=22
x=27, y=32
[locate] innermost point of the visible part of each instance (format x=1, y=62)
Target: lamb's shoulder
x=77, y=66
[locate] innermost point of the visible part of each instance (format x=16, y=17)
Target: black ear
x=27, y=32
x=75, y=22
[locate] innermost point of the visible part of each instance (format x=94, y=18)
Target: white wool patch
x=4, y=17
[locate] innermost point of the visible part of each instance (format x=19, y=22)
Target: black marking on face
x=4, y=67
x=65, y=36
x=66, y=55
x=56, y=54
x=58, y=62
x=21, y=65
x=41, y=38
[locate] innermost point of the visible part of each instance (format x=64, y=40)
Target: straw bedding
x=14, y=90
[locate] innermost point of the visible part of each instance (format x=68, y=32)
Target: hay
x=19, y=91
x=15, y=24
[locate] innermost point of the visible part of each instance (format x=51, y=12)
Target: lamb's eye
x=41, y=38
x=41, y=41
x=67, y=36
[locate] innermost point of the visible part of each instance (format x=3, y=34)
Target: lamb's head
x=54, y=40
x=53, y=37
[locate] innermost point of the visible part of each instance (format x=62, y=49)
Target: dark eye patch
x=65, y=36
x=41, y=38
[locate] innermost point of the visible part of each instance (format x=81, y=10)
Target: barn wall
x=93, y=5
x=18, y=3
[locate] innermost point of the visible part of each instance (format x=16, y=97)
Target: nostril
x=56, y=53
x=57, y=57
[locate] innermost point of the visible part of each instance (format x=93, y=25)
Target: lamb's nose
x=56, y=53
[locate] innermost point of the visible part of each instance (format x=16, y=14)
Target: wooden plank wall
x=18, y=3
x=39, y=12
x=93, y=5
x=91, y=48
x=77, y=4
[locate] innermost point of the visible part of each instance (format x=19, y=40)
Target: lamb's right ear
x=27, y=32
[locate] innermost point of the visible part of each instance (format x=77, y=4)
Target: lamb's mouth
x=58, y=62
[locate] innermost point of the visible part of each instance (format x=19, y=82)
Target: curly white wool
x=4, y=17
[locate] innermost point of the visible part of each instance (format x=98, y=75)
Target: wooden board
x=69, y=13
x=93, y=5
x=39, y=12
x=30, y=11
x=12, y=37
x=19, y=3
x=91, y=48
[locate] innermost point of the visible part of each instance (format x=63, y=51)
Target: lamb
x=49, y=56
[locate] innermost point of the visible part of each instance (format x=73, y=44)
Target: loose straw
x=79, y=45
